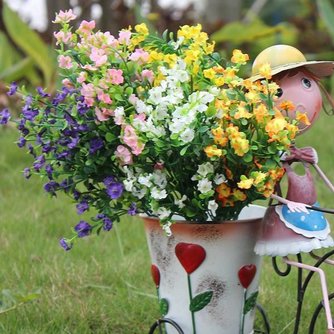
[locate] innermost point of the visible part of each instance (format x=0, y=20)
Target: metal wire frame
x=158, y=324
x=302, y=286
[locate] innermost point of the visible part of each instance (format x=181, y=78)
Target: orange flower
x=287, y=106
x=239, y=195
x=302, y=117
x=240, y=146
x=223, y=191
x=219, y=136
x=242, y=113
x=260, y=112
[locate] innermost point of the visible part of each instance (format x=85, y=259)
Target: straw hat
x=285, y=57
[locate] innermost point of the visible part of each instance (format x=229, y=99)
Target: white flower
x=212, y=207
x=187, y=135
x=159, y=178
x=128, y=184
x=145, y=180
x=179, y=202
x=119, y=114
x=141, y=107
x=204, y=186
x=158, y=193
x=161, y=112
x=139, y=193
x=163, y=213
x=155, y=95
x=166, y=227
x=219, y=179
x=205, y=169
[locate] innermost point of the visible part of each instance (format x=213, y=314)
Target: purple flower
x=65, y=184
x=49, y=171
x=31, y=150
x=83, y=229
x=21, y=142
x=132, y=209
x=12, y=89
x=65, y=244
x=73, y=143
x=51, y=187
x=29, y=114
x=26, y=173
x=95, y=144
x=41, y=92
x=82, y=207
x=4, y=116
x=82, y=108
x=76, y=194
x=115, y=190
x=39, y=162
x=109, y=180
x=107, y=224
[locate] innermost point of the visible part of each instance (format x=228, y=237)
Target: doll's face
x=303, y=91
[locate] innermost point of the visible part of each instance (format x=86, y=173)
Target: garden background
x=103, y=285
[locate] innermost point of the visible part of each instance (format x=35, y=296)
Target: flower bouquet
x=159, y=125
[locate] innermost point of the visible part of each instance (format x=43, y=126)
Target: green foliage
x=326, y=11
x=36, y=51
x=9, y=300
x=200, y=301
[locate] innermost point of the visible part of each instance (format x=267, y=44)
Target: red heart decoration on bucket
x=190, y=256
x=155, y=272
x=246, y=275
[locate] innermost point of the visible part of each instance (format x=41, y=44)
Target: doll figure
x=297, y=224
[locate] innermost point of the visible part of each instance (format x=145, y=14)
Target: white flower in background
x=204, y=186
x=214, y=90
x=158, y=193
x=178, y=42
x=119, y=115
x=180, y=202
x=212, y=207
x=205, y=169
x=129, y=184
x=145, y=180
x=160, y=112
x=219, y=179
x=187, y=135
x=139, y=193
x=141, y=107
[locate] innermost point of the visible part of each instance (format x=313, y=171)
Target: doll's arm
x=293, y=206
x=324, y=177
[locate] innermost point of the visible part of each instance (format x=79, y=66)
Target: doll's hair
x=325, y=93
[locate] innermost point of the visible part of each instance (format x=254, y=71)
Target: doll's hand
x=297, y=207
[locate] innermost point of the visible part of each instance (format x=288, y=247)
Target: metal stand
x=303, y=284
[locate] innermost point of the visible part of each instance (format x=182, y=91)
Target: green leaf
x=184, y=150
x=30, y=42
x=110, y=137
x=248, y=157
x=200, y=301
x=250, y=302
x=326, y=11
x=163, y=306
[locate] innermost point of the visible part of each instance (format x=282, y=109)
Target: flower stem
x=191, y=298
x=242, y=313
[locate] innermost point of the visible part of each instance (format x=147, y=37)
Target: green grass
x=100, y=287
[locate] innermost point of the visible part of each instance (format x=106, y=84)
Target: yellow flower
x=242, y=113
x=219, y=136
x=189, y=32
x=209, y=73
x=155, y=56
x=302, y=117
x=213, y=151
x=265, y=71
x=195, y=68
x=142, y=29
x=170, y=59
x=245, y=183
x=240, y=146
x=238, y=57
x=275, y=125
x=260, y=112
x=220, y=81
x=191, y=56
x=253, y=97
x=258, y=177
x=209, y=48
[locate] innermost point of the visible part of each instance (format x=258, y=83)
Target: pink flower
x=65, y=17
x=139, y=56
x=89, y=101
x=62, y=37
x=98, y=56
x=103, y=97
x=103, y=114
x=110, y=39
x=82, y=77
x=140, y=117
x=86, y=27
x=67, y=83
x=65, y=61
x=124, y=155
x=133, y=99
x=89, y=67
x=124, y=37
x=147, y=74
x=130, y=138
x=115, y=76
x=87, y=90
